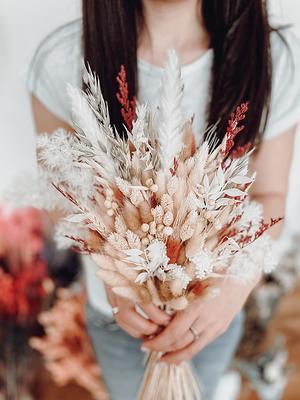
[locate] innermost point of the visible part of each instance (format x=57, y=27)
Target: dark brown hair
x=240, y=38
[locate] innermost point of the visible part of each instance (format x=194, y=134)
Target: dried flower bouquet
x=161, y=217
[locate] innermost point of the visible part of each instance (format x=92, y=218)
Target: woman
x=229, y=55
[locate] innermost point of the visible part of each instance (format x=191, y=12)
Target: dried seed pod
x=136, y=197
x=120, y=225
x=186, y=232
x=158, y=214
x=166, y=202
x=152, y=228
x=168, y=218
x=172, y=185
x=118, y=241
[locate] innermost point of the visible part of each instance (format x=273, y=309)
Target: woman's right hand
x=131, y=321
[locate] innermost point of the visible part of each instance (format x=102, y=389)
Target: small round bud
x=107, y=204
x=145, y=228
x=110, y=212
x=154, y=188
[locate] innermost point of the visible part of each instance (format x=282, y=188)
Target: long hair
x=240, y=38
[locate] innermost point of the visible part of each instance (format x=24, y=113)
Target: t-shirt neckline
x=199, y=62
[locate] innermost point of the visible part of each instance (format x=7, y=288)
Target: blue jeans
x=121, y=359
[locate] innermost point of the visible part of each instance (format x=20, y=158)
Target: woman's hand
x=132, y=321
x=208, y=316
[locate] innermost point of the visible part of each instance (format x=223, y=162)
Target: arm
x=127, y=317
x=211, y=317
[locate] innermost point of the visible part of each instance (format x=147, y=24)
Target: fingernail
x=144, y=349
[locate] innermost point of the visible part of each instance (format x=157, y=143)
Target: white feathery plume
x=170, y=117
x=119, y=147
x=91, y=134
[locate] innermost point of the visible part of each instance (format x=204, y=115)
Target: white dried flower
x=203, y=261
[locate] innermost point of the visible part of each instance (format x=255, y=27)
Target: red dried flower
x=128, y=106
x=233, y=129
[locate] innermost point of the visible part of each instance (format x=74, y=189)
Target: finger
x=188, y=337
x=130, y=317
x=184, y=341
x=131, y=331
x=178, y=326
x=111, y=296
x=189, y=351
x=155, y=314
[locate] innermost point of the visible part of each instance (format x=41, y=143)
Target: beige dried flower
x=145, y=212
x=133, y=240
x=166, y=202
x=158, y=214
x=131, y=216
x=186, y=231
x=172, y=185
x=118, y=241
x=136, y=197
x=120, y=226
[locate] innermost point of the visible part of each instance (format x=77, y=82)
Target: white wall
x=23, y=23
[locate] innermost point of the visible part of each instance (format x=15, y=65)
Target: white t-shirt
x=58, y=61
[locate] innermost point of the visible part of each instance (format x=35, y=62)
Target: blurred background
x=267, y=371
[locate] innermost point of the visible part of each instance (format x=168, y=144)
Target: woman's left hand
x=208, y=317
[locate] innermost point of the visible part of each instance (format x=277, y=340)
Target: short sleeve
x=285, y=96
x=56, y=62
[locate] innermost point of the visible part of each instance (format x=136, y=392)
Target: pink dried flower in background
x=23, y=273
x=66, y=346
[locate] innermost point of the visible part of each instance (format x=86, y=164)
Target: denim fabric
x=122, y=360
